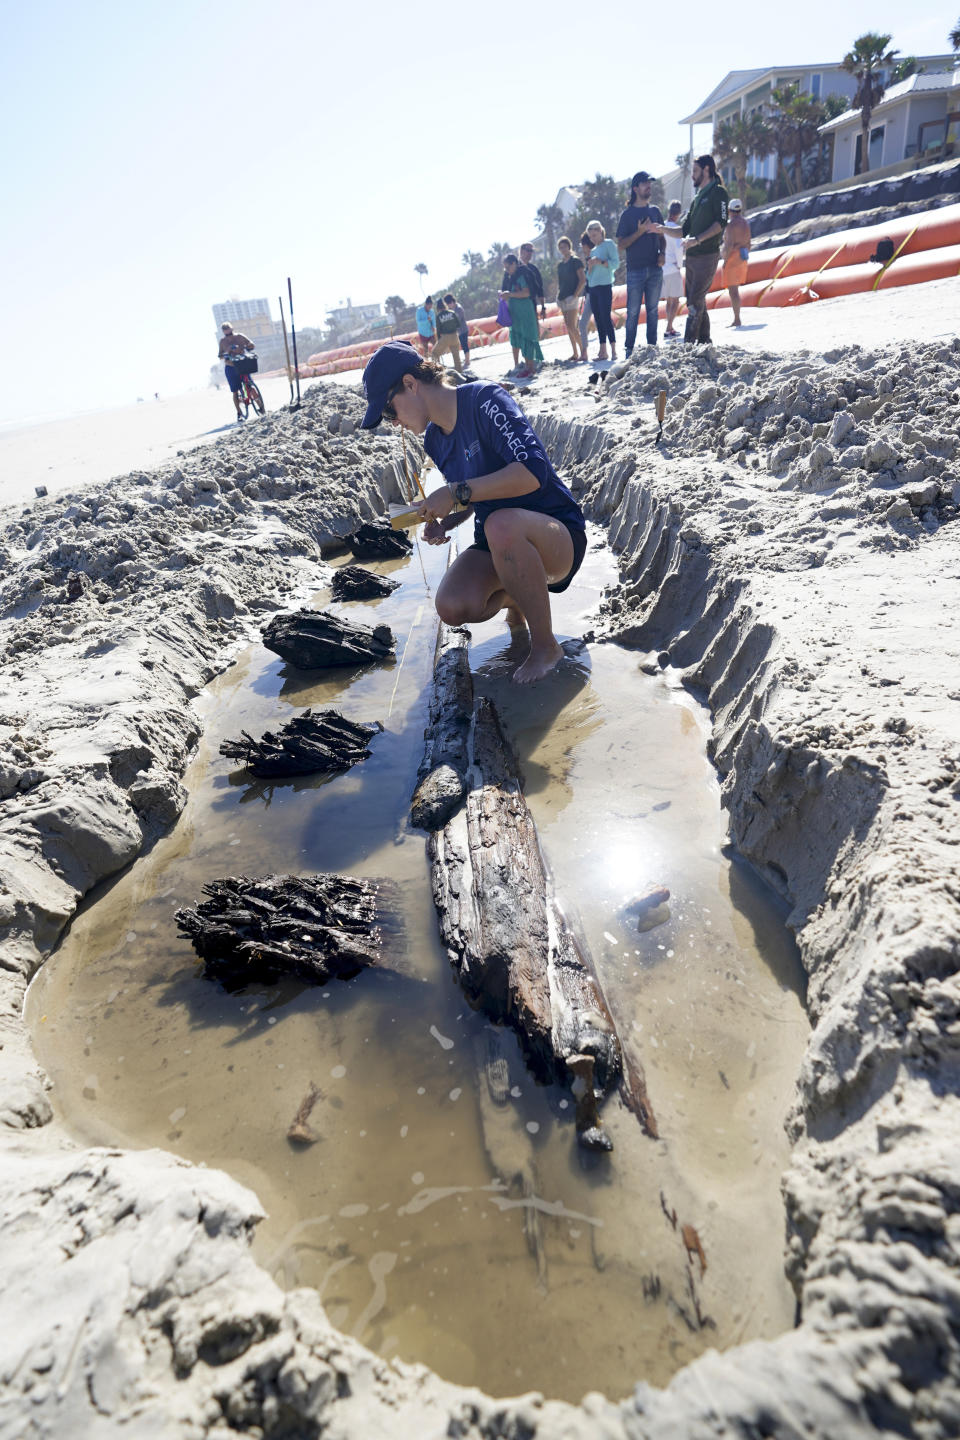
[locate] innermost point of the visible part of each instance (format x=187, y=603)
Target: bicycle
x=248, y=394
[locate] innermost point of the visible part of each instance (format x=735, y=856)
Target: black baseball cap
x=641, y=178
x=384, y=368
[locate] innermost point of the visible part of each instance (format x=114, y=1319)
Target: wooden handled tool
x=401, y=519
x=661, y=411
x=405, y=520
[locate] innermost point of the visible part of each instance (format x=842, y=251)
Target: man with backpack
x=448, y=342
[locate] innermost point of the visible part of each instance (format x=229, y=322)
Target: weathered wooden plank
x=513, y=949
x=441, y=779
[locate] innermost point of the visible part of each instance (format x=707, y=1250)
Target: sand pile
x=879, y=429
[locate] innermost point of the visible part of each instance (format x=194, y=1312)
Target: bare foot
x=734, y=324
x=537, y=664
x=514, y=617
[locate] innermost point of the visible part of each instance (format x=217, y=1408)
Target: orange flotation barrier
x=930, y=230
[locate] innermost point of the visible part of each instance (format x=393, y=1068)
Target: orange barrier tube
x=928, y=230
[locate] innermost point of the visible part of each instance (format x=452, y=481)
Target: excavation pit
x=440, y=1207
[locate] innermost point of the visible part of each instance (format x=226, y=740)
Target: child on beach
x=529, y=533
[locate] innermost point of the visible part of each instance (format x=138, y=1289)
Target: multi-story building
x=351, y=315
x=743, y=92
x=917, y=119
x=250, y=316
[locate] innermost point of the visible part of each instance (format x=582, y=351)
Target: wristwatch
x=463, y=493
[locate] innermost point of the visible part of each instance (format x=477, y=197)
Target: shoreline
x=764, y=564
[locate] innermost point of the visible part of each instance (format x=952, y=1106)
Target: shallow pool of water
x=437, y=1224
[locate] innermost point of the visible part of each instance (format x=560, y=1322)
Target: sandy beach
x=80, y=450
x=789, y=552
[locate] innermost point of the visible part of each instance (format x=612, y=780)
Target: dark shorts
x=579, y=538
x=233, y=377
x=464, y=337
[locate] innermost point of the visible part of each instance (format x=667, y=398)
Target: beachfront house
x=743, y=92
x=347, y=322
x=919, y=117
x=568, y=198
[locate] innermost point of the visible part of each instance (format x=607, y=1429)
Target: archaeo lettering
x=499, y=418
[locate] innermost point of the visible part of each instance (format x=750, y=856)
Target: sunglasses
x=392, y=394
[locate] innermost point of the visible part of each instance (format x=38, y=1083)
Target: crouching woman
x=529, y=536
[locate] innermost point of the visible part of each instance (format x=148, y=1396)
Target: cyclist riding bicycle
x=232, y=346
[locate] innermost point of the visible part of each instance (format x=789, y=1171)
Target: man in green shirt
x=702, y=228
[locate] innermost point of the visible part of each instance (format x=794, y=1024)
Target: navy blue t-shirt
x=646, y=250
x=491, y=432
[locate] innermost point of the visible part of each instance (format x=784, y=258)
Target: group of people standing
x=442, y=330
x=665, y=259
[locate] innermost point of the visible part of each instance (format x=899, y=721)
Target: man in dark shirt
x=645, y=250
x=536, y=286
x=702, y=228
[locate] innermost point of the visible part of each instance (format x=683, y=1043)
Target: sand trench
x=842, y=798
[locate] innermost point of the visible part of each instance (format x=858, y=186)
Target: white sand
x=92, y=447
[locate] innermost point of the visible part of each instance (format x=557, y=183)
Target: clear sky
x=161, y=158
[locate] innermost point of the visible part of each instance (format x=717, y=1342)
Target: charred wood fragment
x=315, y=639
x=314, y=927
x=307, y=744
x=352, y=582
x=378, y=541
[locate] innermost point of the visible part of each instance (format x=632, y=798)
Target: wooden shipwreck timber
x=316, y=640
x=352, y=582
x=377, y=540
x=516, y=955
x=313, y=927
x=309, y=744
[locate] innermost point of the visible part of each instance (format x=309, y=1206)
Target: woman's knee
x=502, y=528
x=452, y=609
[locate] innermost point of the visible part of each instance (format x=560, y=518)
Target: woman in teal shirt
x=524, y=331
x=604, y=259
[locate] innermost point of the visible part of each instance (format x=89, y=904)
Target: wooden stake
x=286, y=347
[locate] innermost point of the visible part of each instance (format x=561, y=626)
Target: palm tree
x=395, y=306
x=684, y=164
x=421, y=270
x=550, y=217
x=781, y=125
x=868, y=56
x=806, y=116
x=498, y=251
x=737, y=139
x=471, y=259
x=955, y=35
